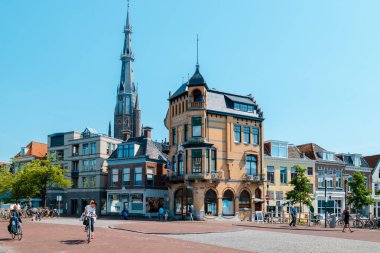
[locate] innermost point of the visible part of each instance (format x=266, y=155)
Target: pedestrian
x=346, y=219
x=125, y=213
x=191, y=212
x=161, y=213
x=293, y=214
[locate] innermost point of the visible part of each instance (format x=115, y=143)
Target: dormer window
x=125, y=150
x=243, y=107
x=328, y=156
x=279, y=149
x=357, y=161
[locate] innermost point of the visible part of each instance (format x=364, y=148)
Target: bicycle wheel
x=89, y=231
x=19, y=232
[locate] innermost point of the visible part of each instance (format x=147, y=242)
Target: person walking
x=191, y=212
x=161, y=213
x=293, y=214
x=346, y=219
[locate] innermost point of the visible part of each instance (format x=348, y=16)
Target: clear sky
x=313, y=66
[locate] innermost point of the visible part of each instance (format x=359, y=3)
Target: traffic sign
x=267, y=198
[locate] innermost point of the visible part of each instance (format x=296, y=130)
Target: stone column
x=220, y=206
x=237, y=206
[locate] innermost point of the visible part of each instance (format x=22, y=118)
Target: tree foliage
x=6, y=180
x=301, y=193
x=36, y=177
x=360, y=196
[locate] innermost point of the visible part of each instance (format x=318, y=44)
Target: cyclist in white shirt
x=90, y=213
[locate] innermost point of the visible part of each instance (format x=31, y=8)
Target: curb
x=169, y=233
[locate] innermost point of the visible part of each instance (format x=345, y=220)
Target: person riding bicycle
x=15, y=214
x=90, y=213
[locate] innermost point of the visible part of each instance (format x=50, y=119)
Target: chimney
x=148, y=132
x=126, y=135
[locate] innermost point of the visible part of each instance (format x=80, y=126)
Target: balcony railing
x=253, y=178
x=195, y=176
x=197, y=105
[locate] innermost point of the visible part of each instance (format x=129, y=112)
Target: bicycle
x=16, y=229
x=89, y=225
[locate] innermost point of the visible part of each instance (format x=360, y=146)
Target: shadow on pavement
x=73, y=242
x=5, y=239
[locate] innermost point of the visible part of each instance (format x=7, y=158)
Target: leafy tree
x=301, y=192
x=6, y=180
x=360, y=195
x=36, y=177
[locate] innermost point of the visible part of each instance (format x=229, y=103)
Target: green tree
x=36, y=177
x=6, y=180
x=301, y=192
x=360, y=195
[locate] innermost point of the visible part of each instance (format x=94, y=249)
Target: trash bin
x=332, y=221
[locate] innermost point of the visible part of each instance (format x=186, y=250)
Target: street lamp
x=345, y=193
x=325, y=178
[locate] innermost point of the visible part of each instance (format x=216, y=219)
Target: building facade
x=216, y=152
x=83, y=155
x=279, y=160
x=374, y=163
x=135, y=181
x=127, y=115
x=329, y=190
x=34, y=150
x=356, y=163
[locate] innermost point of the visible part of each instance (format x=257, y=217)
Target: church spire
x=127, y=58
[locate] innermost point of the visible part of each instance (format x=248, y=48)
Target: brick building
x=135, y=181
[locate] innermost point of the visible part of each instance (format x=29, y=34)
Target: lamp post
x=325, y=202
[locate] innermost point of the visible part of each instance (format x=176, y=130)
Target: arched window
x=245, y=200
x=183, y=198
x=258, y=193
x=228, y=203
x=211, y=203
x=197, y=96
x=180, y=164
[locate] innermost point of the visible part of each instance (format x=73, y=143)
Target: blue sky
x=313, y=66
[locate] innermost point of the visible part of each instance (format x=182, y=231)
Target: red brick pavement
x=178, y=227
x=43, y=237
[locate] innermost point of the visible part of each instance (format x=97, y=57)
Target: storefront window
x=154, y=204
x=228, y=203
x=183, y=198
x=114, y=203
x=137, y=202
x=245, y=200
x=211, y=203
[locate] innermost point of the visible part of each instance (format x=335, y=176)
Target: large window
x=213, y=160
x=309, y=171
x=283, y=175
x=328, y=156
x=180, y=164
x=279, y=195
x=86, y=165
x=244, y=200
x=251, y=165
x=196, y=158
x=237, y=133
x=186, y=132
x=338, y=179
x=115, y=177
x=92, y=182
x=243, y=107
x=92, y=165
x=196, y=124
x=279, y=149
x=247, y=135
x=93, y=148
x=255, y=135
x=293, y=173
x=126, y=176
x=207, y=160
x=84, y=182
x=174, y=136
x=211, y=200
x=270, y=174
x=138, y=176
x=321, y=180
x=330, y=179
x=150, y=176
x=126, y=150
x=228, y=203
x=85, y=149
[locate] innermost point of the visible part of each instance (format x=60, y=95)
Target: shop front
x=333, y=205
x=139, y=203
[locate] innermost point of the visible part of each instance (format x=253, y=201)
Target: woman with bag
x=89, y=213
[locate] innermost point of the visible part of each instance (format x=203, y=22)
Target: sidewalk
x=176, y=227
x=286, y=226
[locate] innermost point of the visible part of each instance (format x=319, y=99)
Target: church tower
x=125, y=122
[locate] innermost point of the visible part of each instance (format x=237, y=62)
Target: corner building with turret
x=216, y=153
